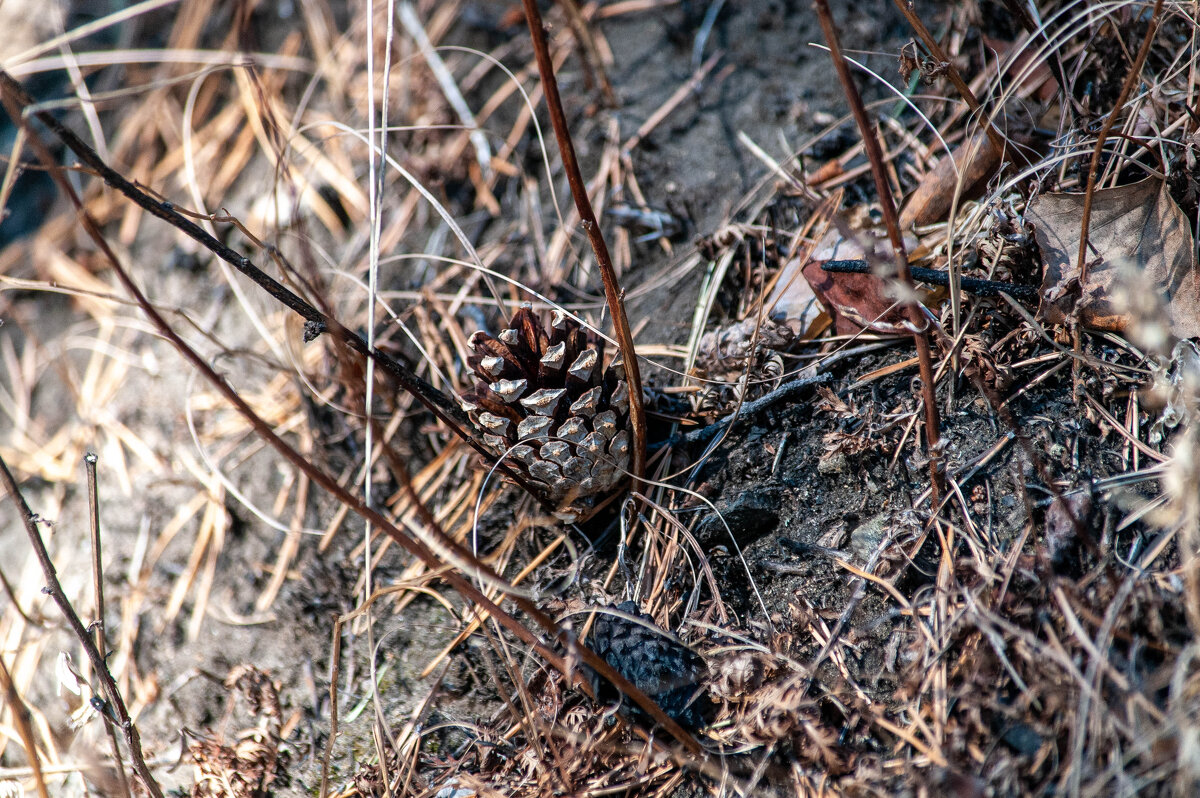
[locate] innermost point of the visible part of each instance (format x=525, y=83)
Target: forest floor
x=1025, y=624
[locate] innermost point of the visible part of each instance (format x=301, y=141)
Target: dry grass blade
x=21, y=719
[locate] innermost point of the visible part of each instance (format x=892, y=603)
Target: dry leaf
x=855, y=301
x=1138, y=225
x=977, y=159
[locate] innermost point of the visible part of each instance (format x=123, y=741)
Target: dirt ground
x=219, y=555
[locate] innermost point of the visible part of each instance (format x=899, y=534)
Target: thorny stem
x=414, y=546
x=612, y=291
x=317, y=322
x=54, y=588
x=916, y=318
x=1135, y=75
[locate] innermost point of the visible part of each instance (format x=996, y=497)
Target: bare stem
x=98, y=586
x=916, y=317
x=612, y=291
x=54, y=588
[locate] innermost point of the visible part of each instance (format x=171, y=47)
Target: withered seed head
x=544, y=401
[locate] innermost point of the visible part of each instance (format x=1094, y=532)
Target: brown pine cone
x=545, y=402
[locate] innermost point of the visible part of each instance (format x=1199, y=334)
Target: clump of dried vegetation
x=1019, y=617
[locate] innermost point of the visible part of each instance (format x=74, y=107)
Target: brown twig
x=915, y=316
x=612, y=291
x=1135, y=74
x=55, y=590
x=593, y=64
x=22, y=720
x=995, y=136
x=89, y=461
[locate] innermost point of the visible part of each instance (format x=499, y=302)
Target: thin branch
x=54, y=588
x=941, y=278
x=89, y=461
x=613, y=294
x=916, y=317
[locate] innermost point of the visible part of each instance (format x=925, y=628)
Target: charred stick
x=940, y=278
x=748, y=410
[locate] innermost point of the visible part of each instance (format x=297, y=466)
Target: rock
x=749, y=515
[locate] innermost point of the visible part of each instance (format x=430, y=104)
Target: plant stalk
x=612, y=291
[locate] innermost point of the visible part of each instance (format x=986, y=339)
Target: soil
x=806, y=486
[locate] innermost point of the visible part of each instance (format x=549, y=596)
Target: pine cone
x=546, y=404
x=655, y=663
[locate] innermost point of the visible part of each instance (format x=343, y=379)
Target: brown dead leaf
x=973, y=162
x=1138, y=225
x=854, y=301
